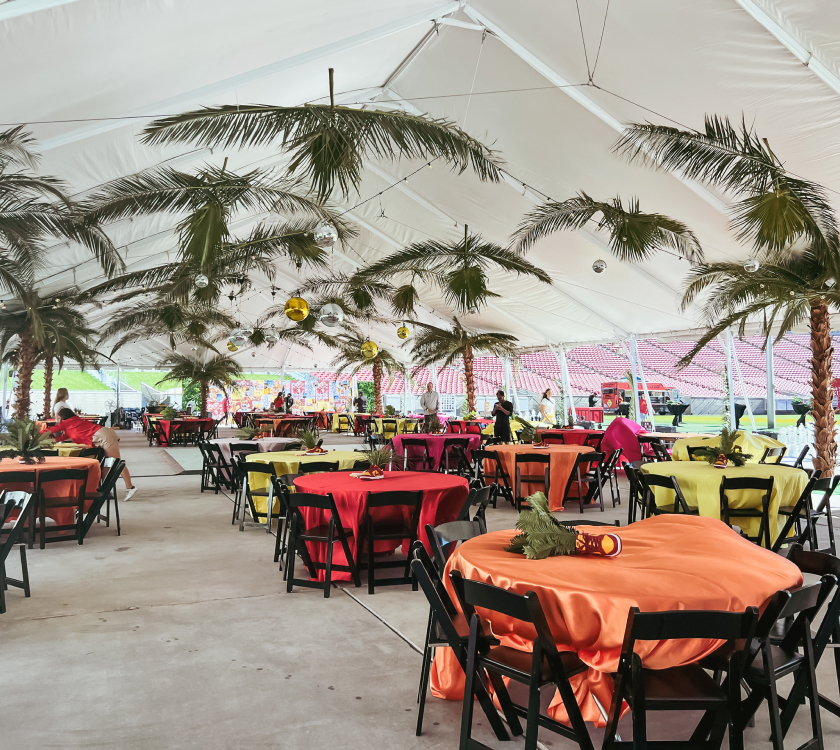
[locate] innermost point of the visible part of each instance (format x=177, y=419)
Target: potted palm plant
x=309, y=441
x=25, y=441
x=379, y=459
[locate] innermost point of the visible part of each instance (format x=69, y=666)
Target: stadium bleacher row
x=589, y=366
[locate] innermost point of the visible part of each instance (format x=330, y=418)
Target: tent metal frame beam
x=191, y=98
x=9, y=10
x=796, y=48
x=575, y=92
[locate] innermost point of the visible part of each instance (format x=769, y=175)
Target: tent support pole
x=641, y=368
x=741, y=378
x=405, y=392
x=634, y=388
x=771, y=386
x=118, y=386
x=731, y=404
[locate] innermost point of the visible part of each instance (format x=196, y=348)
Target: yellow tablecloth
x=351, y=417
x=749, y=442
x=287, y=462
x=700, y=483
x=515, y=427
x=378, y=427
x=70, y=449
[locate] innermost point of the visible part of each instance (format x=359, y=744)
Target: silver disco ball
x=271, y=336
x=237, y=340
x=331, y=315
x=247, y=332
x=751, y=266
x=201, y=281
x=325, y=236
x=599, y=266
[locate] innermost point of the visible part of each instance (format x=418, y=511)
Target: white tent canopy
x=87, y=75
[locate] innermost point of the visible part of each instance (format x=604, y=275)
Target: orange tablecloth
x=666, y=562
x=61, y=516
x=560, y=468
x=443, y=496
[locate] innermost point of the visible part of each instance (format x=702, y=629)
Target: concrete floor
x=156, y=639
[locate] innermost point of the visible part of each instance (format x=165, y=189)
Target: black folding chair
x=800, y=459
x=593, y=440
x=447, y=627
x=545, y=665
x=106, y=491
x=443, y=539
x=413, y=462
x=15, y=512
x=74, y=500
x=453, y=460
x=636, y=510
x=609, y=473
x=316, y=467
x=773, y=453
x=328, y=533
x=586, y=473
x=497, y=475
x=694, y=450
x=680, y=506
x=660, y=451
x=805, y=513
x=391, y=530
x=248, y=493
x=727, y=513
x=685, y=688
x=543, y=479
x=482, y=497
x=96, y=453
x=24, y=481
x=343, y=423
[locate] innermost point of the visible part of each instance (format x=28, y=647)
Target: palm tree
x=328, y=143
x=793, y=229
x=61, y=345
x=218, y=370
x=634, y=235
x=458, y=269
x=35, y=208
x=52, y=328
x=433, y=344
x=350, y=359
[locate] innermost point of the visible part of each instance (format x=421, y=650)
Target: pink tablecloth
x=435, y=443
x=622, y=433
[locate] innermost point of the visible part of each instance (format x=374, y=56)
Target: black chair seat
x=784, y=662
x=512, y=662
x=462, y=627
x=320, y=533
x=686, y=688
x=392, y=530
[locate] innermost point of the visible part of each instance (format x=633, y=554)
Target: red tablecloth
x=435, y=443
x=666, y=562
x=560, y=468
x=443, y=496
x=167, y=426
x=62, y=516
x=569, y=437
x=460, y=426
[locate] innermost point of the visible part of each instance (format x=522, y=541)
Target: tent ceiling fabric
x=103, y=59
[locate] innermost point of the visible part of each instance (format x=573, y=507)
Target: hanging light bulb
x=325, y=236
x=599, y=266
x=751, y=265
x=403, y=332
x=331, y=315
x=369, y=350
x=297, y=309
x=201, y=281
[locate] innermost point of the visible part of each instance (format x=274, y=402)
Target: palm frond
x=327, y=143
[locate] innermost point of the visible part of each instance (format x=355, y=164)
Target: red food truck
x=617, y=393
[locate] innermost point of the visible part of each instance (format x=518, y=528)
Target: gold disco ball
x=232, y=347
x=403, y=332
x=369, y=350
x=297, y=309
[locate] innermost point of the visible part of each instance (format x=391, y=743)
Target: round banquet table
x=569, y=437
x=464, y=429
x=288, y=462
x=61, y=516
x=666, y=562
x=443, y=496
x=66, y=450
x=751, y=443
x=515, y=427
x=435, y=445
x=700, y=483
x=184, y=426
x=560, y=468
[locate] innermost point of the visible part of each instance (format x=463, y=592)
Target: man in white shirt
x=430, y=403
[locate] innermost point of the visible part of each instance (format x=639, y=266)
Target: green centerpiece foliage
x=726, y=447
x=169, y=413
x=390, y=411
x=540, y=534
x=246, y=433
x=528, y=433
x=24, y=440
x=380, y=457
x=308, y=438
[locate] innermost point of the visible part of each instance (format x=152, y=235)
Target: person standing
x=593, y=399
x=547, y=408
x=360, y=403
x=430, y=404
x=290, y=402
x=62, y=401
x=226, y=407
x=84, y=432
x=501, y=411
x=279, y=403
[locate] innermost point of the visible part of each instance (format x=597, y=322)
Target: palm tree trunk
x=25, y=366
x=469, y=377
x=377, y=386
x=822, y=395
x=48, y=376
x=203, y=394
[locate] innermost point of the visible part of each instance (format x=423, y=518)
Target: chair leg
x=469, y=687
x=371, y=569
x=772, y=701
x=532, y=723
x=43, y=518
x=328, y=566
x=2, y=591
x=424, y=688
x=290, y=557
x=24, y=570
x=117, y=512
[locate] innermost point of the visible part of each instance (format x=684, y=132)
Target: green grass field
x=72, y=380
x=712, y=422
